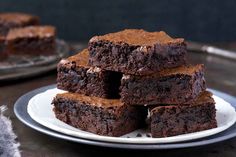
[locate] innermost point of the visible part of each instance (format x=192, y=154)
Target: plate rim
x=26, y=97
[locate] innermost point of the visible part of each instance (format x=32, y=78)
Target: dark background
x=76, y=20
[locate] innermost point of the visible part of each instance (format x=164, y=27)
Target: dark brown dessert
x=74, y=75
x=32, y=40
x=197, y=115
x=3, y=53
x=135, y=51
x=15, y=20
x=170, y=86
x=109, y=117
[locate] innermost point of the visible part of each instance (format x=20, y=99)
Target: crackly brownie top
x=31, y=32
x=187, y=70
x=95, y=101
x=81, y=58
x=17, y=18
x=182, y=70
x=204, y=98
x=138, y=37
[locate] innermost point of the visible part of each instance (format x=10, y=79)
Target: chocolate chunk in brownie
x=109, y=117
x=135, y=51
x=197, y=115
x=170, y=86
x=32, y=40
x=74, y=75
x=15, y=20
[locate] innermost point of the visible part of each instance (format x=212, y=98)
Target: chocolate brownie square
x=135, y=51
x=108, y=117
x=15, y=20
x=74, y=75
x=197, y=115
x=170, y=86
x=32, y=40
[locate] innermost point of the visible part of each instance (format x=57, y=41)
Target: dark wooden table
x=220, y=75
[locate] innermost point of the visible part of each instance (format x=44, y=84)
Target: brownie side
x=87, y=80
x=101, y=120
x=15, y=20
x=3, y=53
x=173, y=88
x=136, y=59
x=31, y=46
x=28, y=42
x=173, y=120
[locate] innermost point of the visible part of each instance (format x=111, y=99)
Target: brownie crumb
x=139, y=135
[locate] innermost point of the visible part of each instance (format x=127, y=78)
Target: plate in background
x=18, y=67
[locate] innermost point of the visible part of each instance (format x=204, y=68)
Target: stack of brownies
x=133, y=79
x=21, y=34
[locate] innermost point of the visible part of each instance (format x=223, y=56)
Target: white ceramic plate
x=40, y=110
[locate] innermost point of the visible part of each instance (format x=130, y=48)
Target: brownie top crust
x=95, y=101
x=32, y=31
x=80, y=60
x=188, y=70
x=204, y=98
x=17, y=18
x=184, y=70
x=138, y=37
